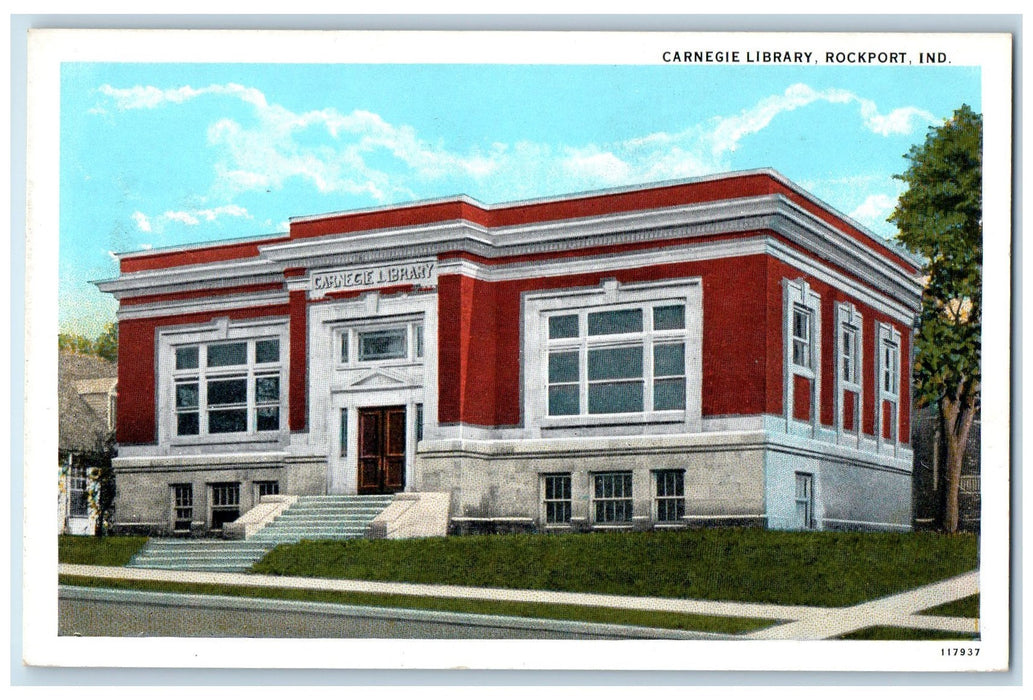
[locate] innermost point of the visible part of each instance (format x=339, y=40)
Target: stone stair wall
x=307, y=518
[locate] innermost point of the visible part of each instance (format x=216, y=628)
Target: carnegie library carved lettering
x=423, y=273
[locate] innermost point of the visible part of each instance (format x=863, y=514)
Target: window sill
x=228, y=439
x=613, y=419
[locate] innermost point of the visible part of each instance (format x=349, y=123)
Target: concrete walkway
x=796, y=621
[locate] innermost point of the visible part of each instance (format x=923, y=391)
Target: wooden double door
x=381, y=449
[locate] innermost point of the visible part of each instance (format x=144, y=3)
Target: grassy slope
x=98, y=551
x=812, y=568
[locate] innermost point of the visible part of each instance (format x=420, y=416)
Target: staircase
x=309, y=518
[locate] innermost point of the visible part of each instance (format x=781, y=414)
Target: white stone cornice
x=768, y=212
x=758, y=245
x=228, y=273
x=180, y=307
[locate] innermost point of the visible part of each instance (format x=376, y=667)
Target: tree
x=106, y=344
x=74, y=342
x=101, y=484
x=940, y=217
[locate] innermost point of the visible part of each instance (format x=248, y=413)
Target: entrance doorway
x=381, y=449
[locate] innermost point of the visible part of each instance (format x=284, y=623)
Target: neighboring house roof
x=80, y=378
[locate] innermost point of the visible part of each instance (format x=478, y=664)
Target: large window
x=616, y=361
x=228, y=387
x=611, y=497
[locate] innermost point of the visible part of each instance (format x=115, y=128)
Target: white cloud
x=874, y=210
x=591, y=163
x=903, y=120
x=195, y=216
x=142, y=222
x=149, y=97
x=360, y=153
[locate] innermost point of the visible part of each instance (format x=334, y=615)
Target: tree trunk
x=957, y=419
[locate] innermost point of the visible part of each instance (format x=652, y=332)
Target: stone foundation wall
x=744, y=479
x=504, y=481
x=143, y=499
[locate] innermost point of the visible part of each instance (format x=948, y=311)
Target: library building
x=724, y=350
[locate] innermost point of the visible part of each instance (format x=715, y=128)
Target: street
x=107, y=612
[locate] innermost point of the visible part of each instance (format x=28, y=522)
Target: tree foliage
x=101, y=486
x=105, y=345
x=940, y=217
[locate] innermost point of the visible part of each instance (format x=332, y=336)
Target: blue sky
x=156, y=155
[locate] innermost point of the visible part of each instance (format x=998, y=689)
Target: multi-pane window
x=802, y=337
x=182, y=507
x=670, y=495
x=890, y=368
x=266, y=488
x=419, y=422
x=227, y=387
x=848, y=352
x=225, y=504
x=402, y=342
x=611, y=497
x=78, y=501
x=615, y=361
x=804, y=501
x=557, y=498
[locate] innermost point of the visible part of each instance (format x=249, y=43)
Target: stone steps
x=309, y=518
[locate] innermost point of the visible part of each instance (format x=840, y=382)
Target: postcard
x=518, y=350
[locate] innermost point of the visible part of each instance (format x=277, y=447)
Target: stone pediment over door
x=380, y=379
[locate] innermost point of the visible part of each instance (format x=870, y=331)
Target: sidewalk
x=800, y=622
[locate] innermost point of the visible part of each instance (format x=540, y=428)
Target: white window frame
x=805, y=341
x=628, y=496
x=848, y=319
x=806, y=499
x=346, y=342
x=178, y=505
x=539, y=307
x=659, y=500
x=78, y=489
x=797, y=294
x=259, y=484
x=221, y=331
x=568, y=501
x=888, y=339
x=213, y=507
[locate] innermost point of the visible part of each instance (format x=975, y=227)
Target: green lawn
x=98, y=551
x=643, y=618
x=965, y=607
x=798, y=568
